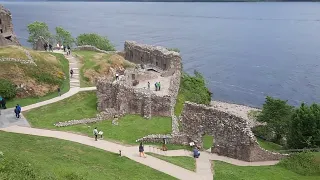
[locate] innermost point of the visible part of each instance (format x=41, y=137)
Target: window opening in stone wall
x=156, y=63
x=0, y=21
x=1, y=31
x=164, y=66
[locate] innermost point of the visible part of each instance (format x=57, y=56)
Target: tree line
x=40, y=29
x=293, y=127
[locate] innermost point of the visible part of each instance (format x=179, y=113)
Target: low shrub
x=263, y=132
x=302, y=163
x=7, y=89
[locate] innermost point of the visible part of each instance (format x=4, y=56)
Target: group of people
x=66, y=49
x=47, y=47
x=96, y=133
x=157, y=86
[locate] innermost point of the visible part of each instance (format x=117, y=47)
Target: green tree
x=276, y=113
x=38, y=29
x=95, y=40
x=63, y=36
x=305, y=127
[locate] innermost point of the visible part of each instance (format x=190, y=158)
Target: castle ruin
x=7, y=36
x=130, y=95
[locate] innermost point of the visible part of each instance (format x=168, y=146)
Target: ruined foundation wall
x=93, y=48
x=233, y=137
x=153, y=56
x=127, y=100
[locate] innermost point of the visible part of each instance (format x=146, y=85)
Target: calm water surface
x=245, y=50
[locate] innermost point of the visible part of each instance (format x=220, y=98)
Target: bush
x=7, y=89
x=263, y=132
x=302, y=163
x=305, y=127
x=193, y=89
x=95, y=40
x=277, y=114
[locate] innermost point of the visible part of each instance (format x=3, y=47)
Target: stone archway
x=233, y=137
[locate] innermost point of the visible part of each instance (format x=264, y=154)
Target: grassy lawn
x=64, y=87
x=55, y=159
x=207, y=141
x=182, y=161
x=83, y=105
x=225, y=171
x=130, y=128
x=270, y=146
x=79, y=106
x=96, y=64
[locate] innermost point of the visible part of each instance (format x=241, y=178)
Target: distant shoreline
x=175, y=1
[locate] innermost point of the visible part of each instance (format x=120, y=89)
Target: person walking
x=156, y=86
x=117, y=76
x=17, y=111
x=59, y=91
x=95, y=133
x=71, y=72
x=148, y=85
x=50, y=48
x=141, y=150
x=64, y=49
x=196, y=152
x=69, y=50
x=159, y=86
x=45, y=46
x=3, y=104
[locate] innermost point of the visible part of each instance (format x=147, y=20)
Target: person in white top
x=117, y=76
x=95, y=133
x=58, y=46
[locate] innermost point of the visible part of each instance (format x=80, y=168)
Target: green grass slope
x=40, y=158
x=39, y=82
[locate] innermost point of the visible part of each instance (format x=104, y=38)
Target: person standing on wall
x=148, y=85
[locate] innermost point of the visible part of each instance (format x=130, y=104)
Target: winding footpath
x=203, y=164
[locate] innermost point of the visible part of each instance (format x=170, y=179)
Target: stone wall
x=151, y=56
x=128, y=100
x=7, y=36
x=29, y=59
x=173, y=92
x=92, y=48
x=232, y=135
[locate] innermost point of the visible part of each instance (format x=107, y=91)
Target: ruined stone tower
x=7, y=36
